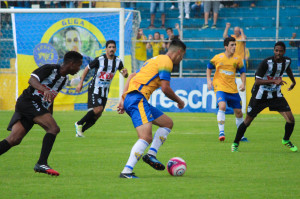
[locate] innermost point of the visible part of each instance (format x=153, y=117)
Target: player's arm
x=38, y=76
x=243, y=85
x=120, y=107
x=36, y=84
x=225, y=34
x=242, y=72
x=261, y=71
x=167, y=90
x=123, y=70
x=243, y=34
x=209, y=69
x=289, y=72
x=178, y=29
x=84, y=74
x=292, y=43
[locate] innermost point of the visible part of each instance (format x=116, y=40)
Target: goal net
x=43, y=36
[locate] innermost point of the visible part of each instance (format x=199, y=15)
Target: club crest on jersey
x=45, y=53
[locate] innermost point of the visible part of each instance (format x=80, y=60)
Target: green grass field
x=90, y=166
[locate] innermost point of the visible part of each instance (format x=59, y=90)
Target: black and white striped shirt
x=49, y=77
x=105, y=70
x=270, y=69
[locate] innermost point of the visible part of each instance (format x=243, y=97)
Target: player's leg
x=289, y=128
x=94, y=116
x=47, y=122
x=137, y=107
x=96, y=106
x=165, y=126
x=234, y=101
x=15, y=137
x=19, y=126
x=221, y=101
x=254, y=108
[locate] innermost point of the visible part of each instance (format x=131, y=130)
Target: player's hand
x=177, y=26
x=279, y=81
x=291, y=87
x=79, y=87
x=180, y=104
x=162, y=37
x=120, y=107
x=228, y=25
x=124, y=72
x=294, y=35
x=242, y=87
x=48, y=96
x=209, y=85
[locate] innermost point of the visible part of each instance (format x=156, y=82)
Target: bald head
x=237, y=31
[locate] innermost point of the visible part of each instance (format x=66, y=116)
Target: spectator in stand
x=207, y=7
x=153, y=7
x=140, y=49
x=296, y=44
x=51, y=4
x=236, y=4
x=186, y=8
x=198, y=8
x=240, y=38
x=128, y=5
x=86, y=4
x=171, y=37
x=158, y=46
x=173, y=6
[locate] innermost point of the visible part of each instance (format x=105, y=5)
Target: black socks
x=48, y=142
x=4, y=146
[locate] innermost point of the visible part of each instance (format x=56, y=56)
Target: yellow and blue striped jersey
x=226, y=68
x=147, y=79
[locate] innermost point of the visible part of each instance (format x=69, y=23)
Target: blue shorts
x=138, y=108
x=160, y=5
x=233, y=99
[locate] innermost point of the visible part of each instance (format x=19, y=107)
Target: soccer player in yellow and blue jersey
x=226, y=65
x=155, y=73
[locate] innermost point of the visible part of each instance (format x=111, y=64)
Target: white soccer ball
x=176, y=166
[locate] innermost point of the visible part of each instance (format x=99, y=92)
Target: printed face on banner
x=71, y=34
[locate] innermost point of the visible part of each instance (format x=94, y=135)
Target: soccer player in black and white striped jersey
x=105, y=69
x=35, y=106
x=266, y=92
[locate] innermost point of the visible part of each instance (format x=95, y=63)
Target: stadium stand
x=258, y=23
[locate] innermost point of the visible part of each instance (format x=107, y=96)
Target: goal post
x=39, y=37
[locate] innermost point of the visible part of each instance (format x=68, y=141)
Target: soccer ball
x=176, y=166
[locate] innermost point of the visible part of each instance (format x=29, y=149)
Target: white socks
x=239, y=121
x=136, y=153
x=221, y=121
x=159, y=138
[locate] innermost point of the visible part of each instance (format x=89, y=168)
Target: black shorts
x=95, y=100
x=255, y=106
x=27, y=109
